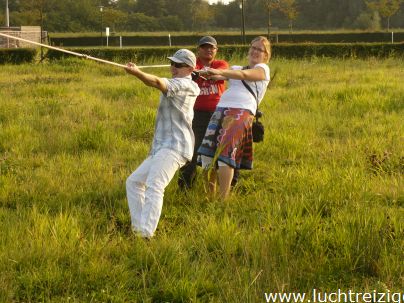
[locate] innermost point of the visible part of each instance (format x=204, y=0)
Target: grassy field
x=323, y=207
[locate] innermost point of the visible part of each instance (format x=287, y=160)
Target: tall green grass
x=323, y=207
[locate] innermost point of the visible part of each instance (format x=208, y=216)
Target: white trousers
x=145, y=189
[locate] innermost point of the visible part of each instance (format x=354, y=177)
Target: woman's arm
x=253, y=74
x=217, y=77
x=148, y=79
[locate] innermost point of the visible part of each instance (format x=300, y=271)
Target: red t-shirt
x=210, y=90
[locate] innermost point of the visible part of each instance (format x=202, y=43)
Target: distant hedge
x=281, y=50
x=17, y=55
x=228, y=39
x=338, y=50
x=375, y=37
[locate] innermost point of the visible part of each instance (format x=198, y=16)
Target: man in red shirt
x=205, y=104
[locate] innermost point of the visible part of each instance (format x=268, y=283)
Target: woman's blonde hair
x=267, y=45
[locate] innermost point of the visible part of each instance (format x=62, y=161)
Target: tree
x=127, y=6
x=368, y=21
x=154, y=8
x=181, y=9
x=386, y=8
x=114, y=18
x=37, y=9
x=289, y=9
x=139, y=22
x=227, y=15
x=171, y=23
x=201, y=15
x=270, y=6
x=84, y=15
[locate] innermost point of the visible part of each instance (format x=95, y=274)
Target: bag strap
x=250, y=89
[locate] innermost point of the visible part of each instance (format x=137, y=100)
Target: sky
x=224, y=1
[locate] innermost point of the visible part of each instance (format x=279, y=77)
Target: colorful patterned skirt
x=228, y=137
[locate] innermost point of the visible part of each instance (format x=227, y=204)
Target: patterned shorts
x=228, y=137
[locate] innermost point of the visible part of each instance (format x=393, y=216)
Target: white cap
x=184, y=56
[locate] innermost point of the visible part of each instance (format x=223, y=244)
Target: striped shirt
x=173, y=128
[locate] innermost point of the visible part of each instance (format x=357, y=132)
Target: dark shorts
x=229, y=137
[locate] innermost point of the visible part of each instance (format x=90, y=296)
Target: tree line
x=198, y=15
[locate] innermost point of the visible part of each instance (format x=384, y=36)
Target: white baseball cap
x=184, y=56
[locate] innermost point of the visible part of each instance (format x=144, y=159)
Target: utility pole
x=7, y=15
x=101, y=9
x=41, y=34
x=242, y=21
x=7, y=22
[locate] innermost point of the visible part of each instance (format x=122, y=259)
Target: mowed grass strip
x=323, y=207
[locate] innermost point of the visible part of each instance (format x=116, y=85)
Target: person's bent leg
x=187, y=175
x=188, y=172
x=210, y=174
x=225, y=176
x=164, y=165
x=135, y=192
x=236, y=175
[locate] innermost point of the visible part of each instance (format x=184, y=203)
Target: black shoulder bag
x=258, y=129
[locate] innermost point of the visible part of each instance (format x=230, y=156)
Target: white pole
x=78, y=54
x=120, y=41
x=107, y=34
x=7, y=15
x=7, y=22
x=392, y=37
x=169, y=40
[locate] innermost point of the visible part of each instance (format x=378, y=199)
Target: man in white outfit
x=173, y=141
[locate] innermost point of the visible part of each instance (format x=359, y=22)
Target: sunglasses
x=178, y=65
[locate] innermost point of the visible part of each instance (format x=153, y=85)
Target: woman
x=228, y=138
